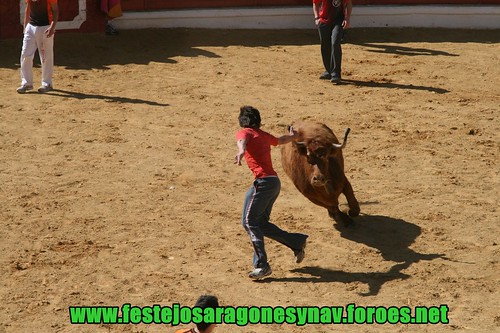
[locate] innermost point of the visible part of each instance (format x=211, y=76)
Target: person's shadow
x=391, y=237
x=108, y=98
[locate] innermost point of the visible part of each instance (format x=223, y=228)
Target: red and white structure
x=85, y=15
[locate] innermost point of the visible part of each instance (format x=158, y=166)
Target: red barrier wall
x=426, y=2
x=10, y=26
x=138, y=5
x=9, y=19
x=176, y=4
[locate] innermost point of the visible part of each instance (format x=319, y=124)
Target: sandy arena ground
x=119, y=186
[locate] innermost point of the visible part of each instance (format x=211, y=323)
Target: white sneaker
x=45, y=88
x=24, y=88
x=259, y=273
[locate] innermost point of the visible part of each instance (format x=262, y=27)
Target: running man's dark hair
x=249, y=117
x=206, y=301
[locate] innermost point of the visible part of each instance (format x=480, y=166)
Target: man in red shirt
x=331, y=18
x=254, y=145
x=40, y=21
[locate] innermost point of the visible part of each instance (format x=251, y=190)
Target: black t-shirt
x=332, y=11
x=337, y=12
x=39, y=12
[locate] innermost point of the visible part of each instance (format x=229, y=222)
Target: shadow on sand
x=97, y=51
x=116, y=99
x=75, y=50
x=404, y=50
x=392, y=85
x=391, y=237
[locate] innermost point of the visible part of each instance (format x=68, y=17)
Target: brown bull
x=316, y=166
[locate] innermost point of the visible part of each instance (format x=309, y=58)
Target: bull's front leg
x=351, y=199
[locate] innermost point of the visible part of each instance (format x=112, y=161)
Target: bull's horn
x=342, y=145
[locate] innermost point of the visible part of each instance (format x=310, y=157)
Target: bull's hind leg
x=351, y=199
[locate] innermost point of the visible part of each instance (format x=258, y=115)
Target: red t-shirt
x=258, y=151
x=40, y=12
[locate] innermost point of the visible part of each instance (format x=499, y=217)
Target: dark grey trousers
x=330, y=36
x=259, y=201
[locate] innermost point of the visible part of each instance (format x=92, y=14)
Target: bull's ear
x=333, y=152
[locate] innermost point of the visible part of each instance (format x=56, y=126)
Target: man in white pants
x=39, y=27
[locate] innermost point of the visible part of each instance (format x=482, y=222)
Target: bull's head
x=318, y=154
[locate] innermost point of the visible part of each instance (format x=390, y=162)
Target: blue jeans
x=259, y=201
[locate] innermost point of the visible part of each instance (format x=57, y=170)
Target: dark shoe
x=110, y=30
x=325, y=76
x=300, y=254
x=336, y=79
x=259, y=273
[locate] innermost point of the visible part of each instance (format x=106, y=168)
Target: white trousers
x=35, y=38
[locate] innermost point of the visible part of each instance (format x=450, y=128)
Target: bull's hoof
x=342, y=219
x=353, y=212
x=347, y=222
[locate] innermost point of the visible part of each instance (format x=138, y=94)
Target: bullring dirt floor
x=119, y=186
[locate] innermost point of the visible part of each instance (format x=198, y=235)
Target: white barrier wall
x=435, y=16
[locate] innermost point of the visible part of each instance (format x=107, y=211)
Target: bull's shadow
x=391, y=237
